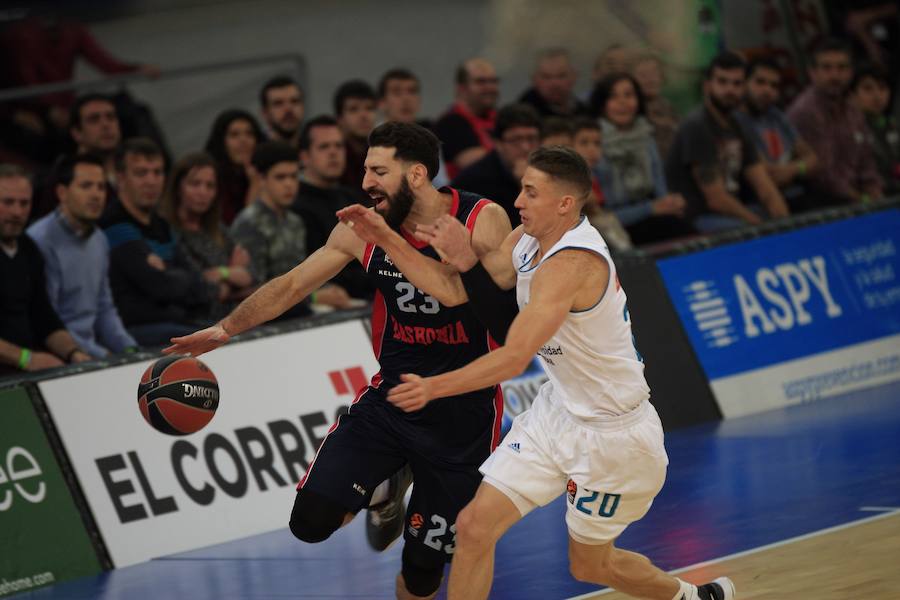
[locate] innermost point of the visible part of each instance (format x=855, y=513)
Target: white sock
x=380, y=494
x=686, y=591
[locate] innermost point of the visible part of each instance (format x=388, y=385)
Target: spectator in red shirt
x=40, y=51
x=835, y=129
x=466, y=130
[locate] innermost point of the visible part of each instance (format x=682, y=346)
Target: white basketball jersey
x=593, y=365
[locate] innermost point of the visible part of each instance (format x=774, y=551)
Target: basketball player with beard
x=445, y=443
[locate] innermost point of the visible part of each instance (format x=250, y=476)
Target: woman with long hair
x=232, y=140
x=631, y=172
x=191, y=204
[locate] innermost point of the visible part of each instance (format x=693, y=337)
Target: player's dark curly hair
x=411, y=143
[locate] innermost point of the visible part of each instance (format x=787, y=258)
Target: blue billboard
x=766, y=301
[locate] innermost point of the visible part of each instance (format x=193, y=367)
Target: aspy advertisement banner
x=154, y=495
x=794, y=317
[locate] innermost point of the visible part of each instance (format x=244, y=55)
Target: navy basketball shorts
x=444, y=444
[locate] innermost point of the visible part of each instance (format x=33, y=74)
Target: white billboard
x=154, y=495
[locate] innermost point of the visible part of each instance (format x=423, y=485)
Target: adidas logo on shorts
x=515, y=446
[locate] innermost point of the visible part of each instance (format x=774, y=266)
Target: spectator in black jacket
x=553, y=86
x=32, y=336
x=156, y=291
x=321, y=195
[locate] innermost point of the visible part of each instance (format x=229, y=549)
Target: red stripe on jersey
x=454, y=208
x=325, y=439
x=340, y=385
x=379, y=320
x=376, y=380
x=498, y=418
x=498, y=402
x=413, y=240
x=357, y=378
x=367, y=256
x=470, y=220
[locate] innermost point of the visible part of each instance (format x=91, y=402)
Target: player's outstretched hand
x=199, y=342
x=452, y=241
x=367, y=224
x=413, y=394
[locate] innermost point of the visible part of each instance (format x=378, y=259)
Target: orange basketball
x=178, y=395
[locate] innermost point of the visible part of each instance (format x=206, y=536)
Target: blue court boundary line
x=778, y=544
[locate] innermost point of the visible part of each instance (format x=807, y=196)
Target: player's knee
x=591, y=568
x=314, y=517
x=583, y=571
x=421, y=571
x=471, y=528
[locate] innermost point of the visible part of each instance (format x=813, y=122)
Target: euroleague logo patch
x=571, y=490
x=415, y=523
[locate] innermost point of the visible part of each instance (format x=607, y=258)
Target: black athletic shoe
x=719, y=589
x=384, y=521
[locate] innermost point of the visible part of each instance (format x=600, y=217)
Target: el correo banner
x=794, y=317
x=236, y=477
x=42, y=537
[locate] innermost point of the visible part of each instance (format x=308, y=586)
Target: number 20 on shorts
x=592, y=503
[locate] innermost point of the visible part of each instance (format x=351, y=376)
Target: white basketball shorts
x=610, y=470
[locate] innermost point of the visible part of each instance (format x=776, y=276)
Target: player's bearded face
x=398, y=205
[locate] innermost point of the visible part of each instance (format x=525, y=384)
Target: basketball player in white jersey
x=591, y=431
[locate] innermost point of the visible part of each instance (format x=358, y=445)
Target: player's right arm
x=278, y=295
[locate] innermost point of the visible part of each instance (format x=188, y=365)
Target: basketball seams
x=200, y=418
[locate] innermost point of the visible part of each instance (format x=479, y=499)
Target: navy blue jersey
x=411, y=331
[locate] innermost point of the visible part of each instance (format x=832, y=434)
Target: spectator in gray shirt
x=76, y=258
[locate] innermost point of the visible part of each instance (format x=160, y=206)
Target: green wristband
x=224, y=273
x=312, y=298
x=801, y=168
x=865, y=198
x=24, y=358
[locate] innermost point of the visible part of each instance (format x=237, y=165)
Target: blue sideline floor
x=731, y=486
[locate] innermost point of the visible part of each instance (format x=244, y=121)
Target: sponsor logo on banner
x=817, y=305
x=279, y=396
x=43, y=538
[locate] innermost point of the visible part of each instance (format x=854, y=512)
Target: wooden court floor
x=854, y=561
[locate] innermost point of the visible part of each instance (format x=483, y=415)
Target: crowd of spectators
x=109, y=249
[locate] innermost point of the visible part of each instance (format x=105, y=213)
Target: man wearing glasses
x=465, y=129
x=497, y=175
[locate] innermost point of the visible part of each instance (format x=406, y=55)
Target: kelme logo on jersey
x=776, y=298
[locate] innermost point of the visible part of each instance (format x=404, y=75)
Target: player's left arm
x=554, y=291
